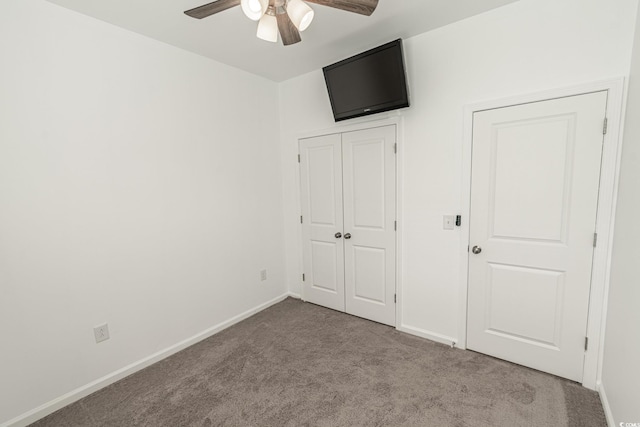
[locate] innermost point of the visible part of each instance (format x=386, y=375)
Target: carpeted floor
x=297, y=364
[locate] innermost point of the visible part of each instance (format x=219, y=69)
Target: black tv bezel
x=373, y=109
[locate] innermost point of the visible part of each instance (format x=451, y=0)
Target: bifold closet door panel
x=322, y=225
x=369, y=193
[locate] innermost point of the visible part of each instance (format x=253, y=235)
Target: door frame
x=356, y=125
x=605, y=210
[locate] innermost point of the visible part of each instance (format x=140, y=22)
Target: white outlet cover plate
x=101, y=332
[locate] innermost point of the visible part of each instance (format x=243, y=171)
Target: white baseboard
x=605, y=405
x=294, y=295
x=77, y=394
x=433, y=336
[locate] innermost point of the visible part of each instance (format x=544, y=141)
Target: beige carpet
x=297, y=364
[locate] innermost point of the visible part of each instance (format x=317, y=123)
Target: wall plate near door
x=448, y=222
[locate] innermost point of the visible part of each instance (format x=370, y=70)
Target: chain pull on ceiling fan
x=288, y=17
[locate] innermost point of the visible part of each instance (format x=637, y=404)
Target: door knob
x=476, y=250
x=347, y=236
x=338, y=235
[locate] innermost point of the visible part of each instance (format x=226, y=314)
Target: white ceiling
x=229, y=37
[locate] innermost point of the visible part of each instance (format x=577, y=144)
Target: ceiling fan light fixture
x=268, y=27
x=300, y=13
x=281, y=19
x=254, y=9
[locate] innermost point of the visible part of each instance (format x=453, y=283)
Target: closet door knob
x=476, y=250
x=338, y=235
x=347, y=236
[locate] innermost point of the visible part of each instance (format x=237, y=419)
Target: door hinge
x=595, y=239
x=298, y=158
x=303, y=277
x=301, y=221
x=395, y=225
x=395, y=298
x=586, y=343
x=395, y=147
x=605, y=126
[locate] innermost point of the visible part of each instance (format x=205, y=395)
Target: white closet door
x=535, y=179
x=322, y=227
x=369, y=174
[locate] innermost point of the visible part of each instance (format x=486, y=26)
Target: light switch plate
x=449, y=222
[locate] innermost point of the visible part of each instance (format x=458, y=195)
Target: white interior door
x=535, y=179
x=369, y=174
x=322, y=226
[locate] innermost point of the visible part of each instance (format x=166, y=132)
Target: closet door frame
x=357, y=125
x=610, y=170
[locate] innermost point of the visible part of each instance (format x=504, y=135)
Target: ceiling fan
x=288, y=17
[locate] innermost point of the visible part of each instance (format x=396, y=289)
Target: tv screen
x=371, y=82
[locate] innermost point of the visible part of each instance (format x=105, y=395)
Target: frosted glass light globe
x=254, y=9
x=268, y=28
x=300, y=13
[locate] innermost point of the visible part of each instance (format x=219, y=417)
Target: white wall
x=132, y=191
x=621, y=371
x=528, y=46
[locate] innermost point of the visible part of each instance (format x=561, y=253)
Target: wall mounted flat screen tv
x=371, y=82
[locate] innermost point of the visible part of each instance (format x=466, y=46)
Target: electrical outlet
x=449, y=222
x=263, y=275
x=101, y=332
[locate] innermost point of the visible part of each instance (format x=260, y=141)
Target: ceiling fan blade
x=363, y=7
x=288, y=31
x=211, y=8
